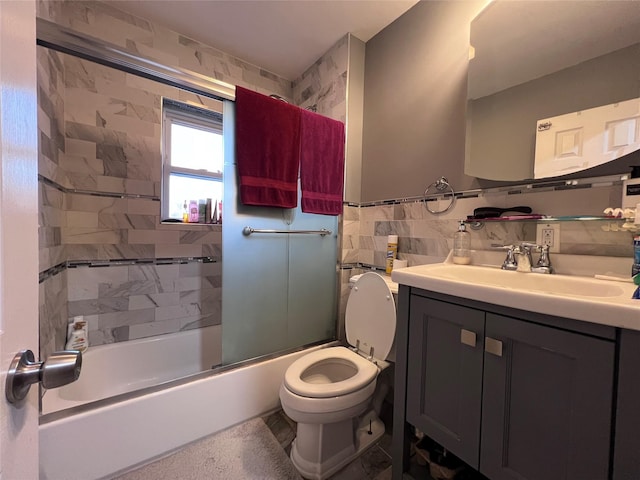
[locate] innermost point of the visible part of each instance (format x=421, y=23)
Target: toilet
x=331, y=393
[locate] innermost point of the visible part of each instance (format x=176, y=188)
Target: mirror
x=531, y=60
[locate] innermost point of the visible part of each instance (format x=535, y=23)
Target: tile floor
x=374, y=464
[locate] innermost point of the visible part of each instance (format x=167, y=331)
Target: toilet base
x=320, y=450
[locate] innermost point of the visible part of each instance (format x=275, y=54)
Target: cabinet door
x=444, y=382
x=547, y=400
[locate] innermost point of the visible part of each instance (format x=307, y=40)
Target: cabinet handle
x=467, y=337
x=493, y=346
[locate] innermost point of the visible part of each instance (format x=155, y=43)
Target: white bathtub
x=109, y=370
x=103, y=441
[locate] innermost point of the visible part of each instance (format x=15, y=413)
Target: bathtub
x=109, y=370
x=103, y=441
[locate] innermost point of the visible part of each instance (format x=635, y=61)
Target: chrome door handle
x=59, y=369
x=467, y=337
x=493, y=346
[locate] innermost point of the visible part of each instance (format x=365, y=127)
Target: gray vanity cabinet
x=513, y=398
x=444, y=387
x=546, y=402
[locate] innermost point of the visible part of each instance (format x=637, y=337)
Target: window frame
x=184, y=114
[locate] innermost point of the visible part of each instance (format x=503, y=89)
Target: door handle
x=493, y=346
x=59, y=369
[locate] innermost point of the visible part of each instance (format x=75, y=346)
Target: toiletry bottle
x=635, y=269
x=208, y=212
x=202, y=210
x=392, y=252
x=462, y=245
x=185, y=213
x=77, y=335
x=194, y=214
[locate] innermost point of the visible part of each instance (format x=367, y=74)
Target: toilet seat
x=370, y=318
x=364, y=373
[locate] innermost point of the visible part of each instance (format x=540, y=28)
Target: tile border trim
x=55, y=270
x=551, y=186
x=57, y=186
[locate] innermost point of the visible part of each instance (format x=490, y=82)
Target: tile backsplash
x=427, y=238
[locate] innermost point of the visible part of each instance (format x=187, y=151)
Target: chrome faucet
x=544, y=261
x=522, y=255
x=519, y=258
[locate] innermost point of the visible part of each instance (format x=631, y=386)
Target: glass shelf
x=543, y=219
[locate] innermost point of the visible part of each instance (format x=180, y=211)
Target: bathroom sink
x=548, y=284
x=582, y=298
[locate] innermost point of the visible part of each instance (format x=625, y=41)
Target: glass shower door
x=278, y=289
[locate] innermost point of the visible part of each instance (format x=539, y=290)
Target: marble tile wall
x=103, y=21
x=126, y=302
x=53, y=313
x=426, y=238
x=111, y=145
x=324, y=84
x=52, y=302
x=99, y=138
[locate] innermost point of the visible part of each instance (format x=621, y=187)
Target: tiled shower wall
x=100, y=174
x=100, y=203
x=323, y=86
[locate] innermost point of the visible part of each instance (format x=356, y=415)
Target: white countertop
x=605, y=302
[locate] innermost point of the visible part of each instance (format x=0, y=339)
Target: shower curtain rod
x=249, y=230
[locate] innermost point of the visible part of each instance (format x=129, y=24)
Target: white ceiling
x=284, y=37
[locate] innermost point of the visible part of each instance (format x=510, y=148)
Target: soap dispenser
x=462, y=245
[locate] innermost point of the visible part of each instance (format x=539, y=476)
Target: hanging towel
x=267, y=149
x=321, y=164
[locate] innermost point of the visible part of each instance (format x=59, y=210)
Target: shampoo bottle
x=462, y=245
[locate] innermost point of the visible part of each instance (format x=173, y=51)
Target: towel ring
x=440, y=185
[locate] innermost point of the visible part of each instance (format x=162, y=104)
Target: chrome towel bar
x=248, y=231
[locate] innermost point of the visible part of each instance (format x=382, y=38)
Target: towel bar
x=248, y=231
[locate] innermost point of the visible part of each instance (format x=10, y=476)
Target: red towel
x=267, y=149
x=321, y=164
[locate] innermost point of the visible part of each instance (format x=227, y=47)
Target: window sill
x=191, y=226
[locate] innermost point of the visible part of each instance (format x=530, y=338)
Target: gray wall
x=415, y=99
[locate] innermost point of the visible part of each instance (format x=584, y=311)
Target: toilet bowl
x=329, y=392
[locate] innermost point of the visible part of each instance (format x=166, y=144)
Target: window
x=193, y=158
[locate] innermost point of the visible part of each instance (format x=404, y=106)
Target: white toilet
x=329, y=392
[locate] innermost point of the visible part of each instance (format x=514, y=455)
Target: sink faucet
x=522, y=255
x=519, y=258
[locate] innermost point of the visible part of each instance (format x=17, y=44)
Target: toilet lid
x=371, y=316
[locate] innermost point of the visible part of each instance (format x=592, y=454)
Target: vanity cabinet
x=513, y=394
